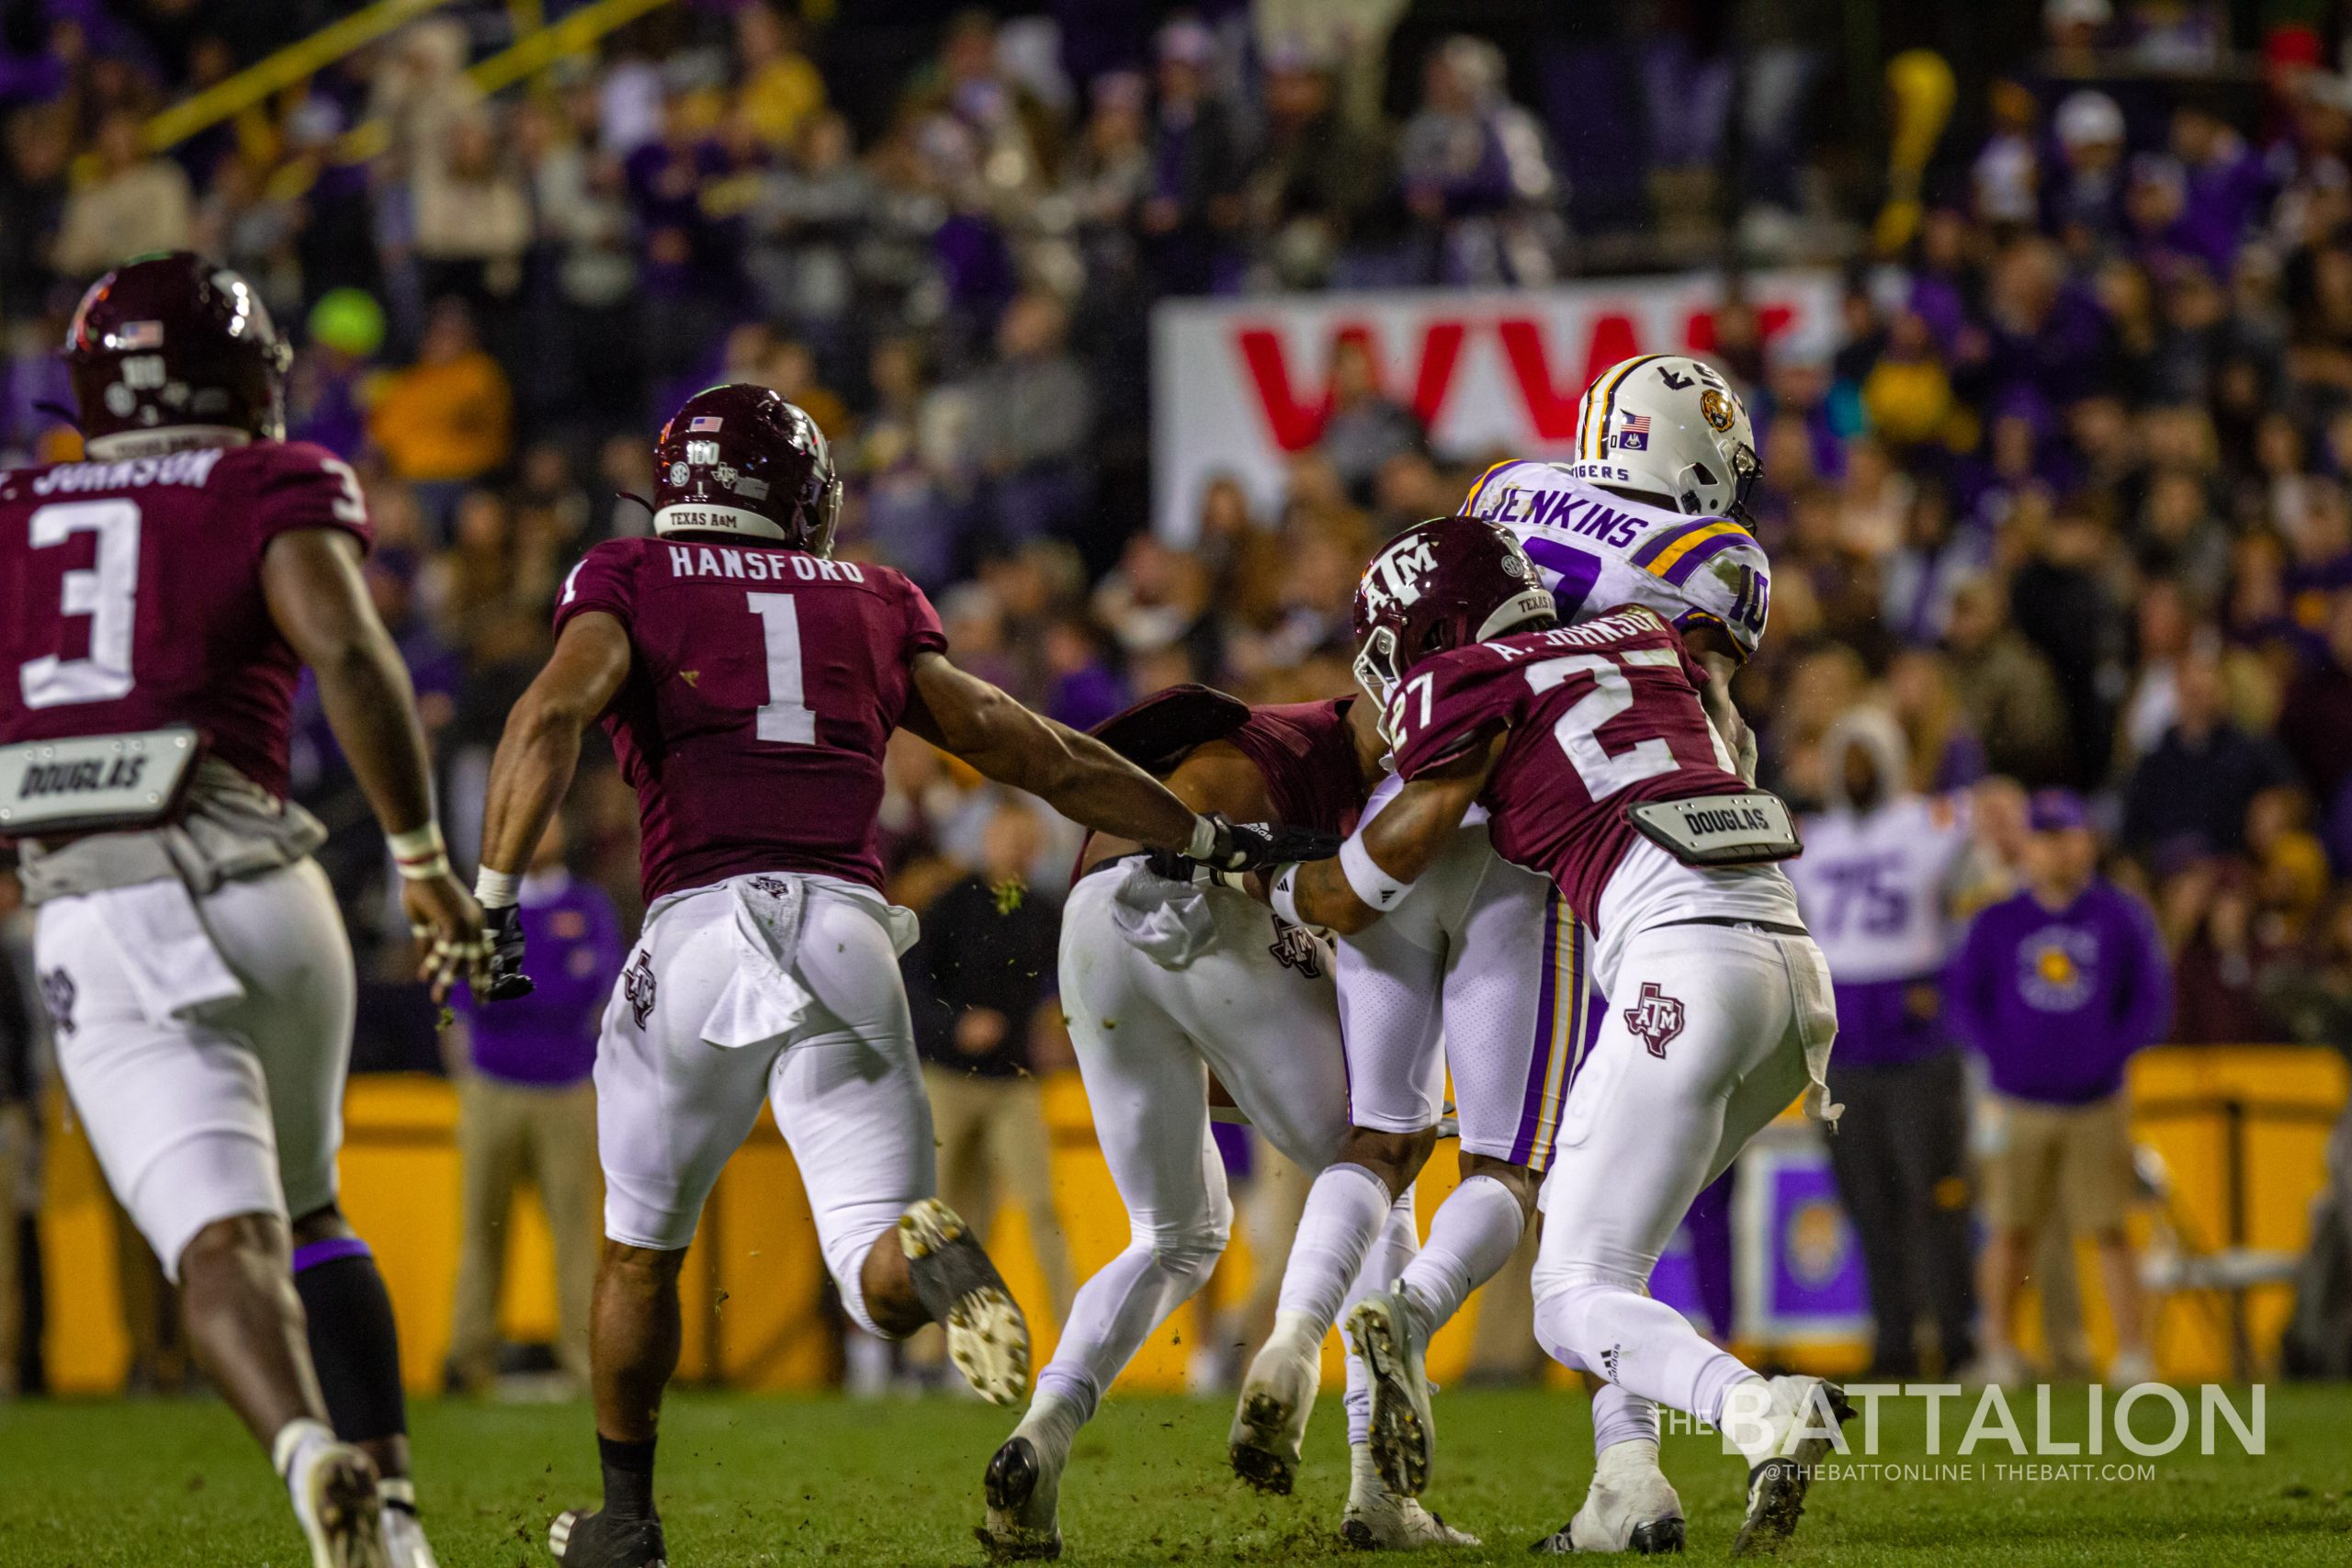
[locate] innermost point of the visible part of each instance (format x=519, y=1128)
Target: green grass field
x=763, y=1481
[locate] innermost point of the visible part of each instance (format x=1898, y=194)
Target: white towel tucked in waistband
x=764, y=997
x=168, y=954
x=1168, y=922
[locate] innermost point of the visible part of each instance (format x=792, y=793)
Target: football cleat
x=1793, y=1444
x=1024, y=1494
x=340, y=1509
x=404, y=1540
x=1379, y=1520
x=1630, y=1508
x=1270, y=1423
x=1404, y=1437
x=599, y=1540
x=988, y=1339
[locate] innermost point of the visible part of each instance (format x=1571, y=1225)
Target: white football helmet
x=1670, y=425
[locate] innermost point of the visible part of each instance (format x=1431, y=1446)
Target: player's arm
x=1720, y=657
x=1076, y=774
x=311, y=579
x=532, y=770
x=1377, y=867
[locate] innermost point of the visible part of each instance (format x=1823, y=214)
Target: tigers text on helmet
x=740, y=460
x=170, y=347
x=1670, y=425
x=1445, y=583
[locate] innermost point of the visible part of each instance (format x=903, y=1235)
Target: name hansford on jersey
x=759, y=566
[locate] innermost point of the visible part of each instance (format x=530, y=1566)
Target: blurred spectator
x=779, y=86
x=986, y=980
x=132, y=203
x=2189, y=795
x=526, y=1112
x=1365, y=427
x=1882, y=872
x=1032, y=414
x=472, y=218
x=1478, y=173
x=2005, y=686
x=450, y=417
x=2055, y=988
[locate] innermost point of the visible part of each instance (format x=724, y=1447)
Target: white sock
x=1364, y=1482
x=1472, y=1235
x=1644, y=1345
x=1392, y=1253
x=1113, y=1314
x=1052, y=1424
x=1636, y=1456
x=1619, y=1416
x=1345, y=1209
x=297, y=1443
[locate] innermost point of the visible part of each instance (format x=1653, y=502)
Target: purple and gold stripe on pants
x=1564, y=1012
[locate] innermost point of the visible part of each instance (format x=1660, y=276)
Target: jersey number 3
x=102, y=591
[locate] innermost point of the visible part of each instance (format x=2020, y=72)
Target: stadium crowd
x=2070, y=495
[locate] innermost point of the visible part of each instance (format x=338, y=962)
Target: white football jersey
x=1876, y=885
x=1599, y=550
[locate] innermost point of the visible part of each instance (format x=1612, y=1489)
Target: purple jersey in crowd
x=1308, y=761
x=764, y=684
x=1601, y=716
x=2056, y=1001
x=131, y=595
x=548, y=1038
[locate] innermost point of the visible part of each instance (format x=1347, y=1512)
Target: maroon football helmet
x=739, y=460
x=1445, y=583
x=173, y=342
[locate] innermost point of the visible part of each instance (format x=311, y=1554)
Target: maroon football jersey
x=764, y=684
x=1308, y=761
x=1601, y=716
x=132, y=594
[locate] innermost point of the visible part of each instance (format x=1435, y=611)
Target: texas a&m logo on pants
x=638, y=986
x=1657, y=1017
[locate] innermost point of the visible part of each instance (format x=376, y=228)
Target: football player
x=1490, y=974
x=1591, y=750
x=1167, y=987
x=166, y=591
x=749, y=682
x=1884, y=874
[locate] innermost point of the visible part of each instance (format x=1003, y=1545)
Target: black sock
x=628, y=1476
x=354, y=1343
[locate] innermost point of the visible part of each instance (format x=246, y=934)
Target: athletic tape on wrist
x=1374, y=886
x=420, y=854
x=496, y=889
x=1282, y=892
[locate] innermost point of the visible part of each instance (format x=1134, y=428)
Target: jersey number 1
x=785, y=715
x=102, y=592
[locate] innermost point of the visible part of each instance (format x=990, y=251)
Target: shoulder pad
x=1156, y=732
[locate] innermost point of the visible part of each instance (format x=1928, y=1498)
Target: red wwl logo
x=1296, y=412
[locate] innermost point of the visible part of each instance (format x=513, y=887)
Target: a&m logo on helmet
x=1393, y=578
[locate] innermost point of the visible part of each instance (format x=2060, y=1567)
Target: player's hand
x=1247, y=846
x=447, y=925
x=503, y=926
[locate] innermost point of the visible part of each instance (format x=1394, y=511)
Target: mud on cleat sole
x=1400, y=1415
x=1255, y=1463
x=988, y=1339
x=1011, y=1482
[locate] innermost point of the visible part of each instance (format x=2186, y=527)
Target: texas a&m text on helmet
x=740, y=460
x=1445, y=583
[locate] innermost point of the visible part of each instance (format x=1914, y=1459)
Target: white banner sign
x=1240, y=385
